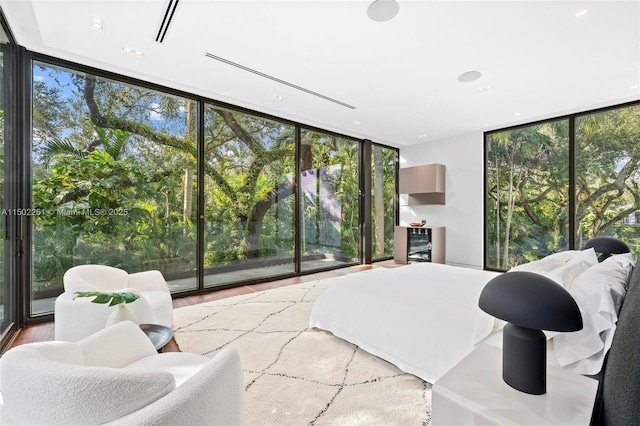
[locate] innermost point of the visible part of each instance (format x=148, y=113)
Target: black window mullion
x=297, y=223
x=201, y=207
x=22, y=198
x=365, y=203
x=572, y=184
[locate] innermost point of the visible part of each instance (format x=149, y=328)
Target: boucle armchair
x=116, y=377
x=77, y=319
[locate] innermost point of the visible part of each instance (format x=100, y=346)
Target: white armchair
x=79, y=318
x=116, y=377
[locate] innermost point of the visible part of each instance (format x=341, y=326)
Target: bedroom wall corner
x=462, y=213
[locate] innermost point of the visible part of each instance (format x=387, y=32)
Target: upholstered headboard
x=618, y=398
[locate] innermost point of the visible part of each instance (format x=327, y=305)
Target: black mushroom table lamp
x=530, y=303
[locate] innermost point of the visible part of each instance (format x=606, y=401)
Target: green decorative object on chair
x=112, y=298
x=117, y=299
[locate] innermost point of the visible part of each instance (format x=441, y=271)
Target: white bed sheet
x=423, y=317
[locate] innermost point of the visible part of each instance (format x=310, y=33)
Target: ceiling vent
x=277, y=80
x=166, y=21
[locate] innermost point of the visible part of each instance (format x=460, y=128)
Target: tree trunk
x=507, y=226
x=188, y=196
x=167, y=218
x=378, y=200
x=497, y=211
x=253, y=222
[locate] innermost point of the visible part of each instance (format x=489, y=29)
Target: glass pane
x=6, y=295
x=608, y=176
x=527, y=193
x=383, y=190
x=329, y=200
x=114, y=180
x=249, y=197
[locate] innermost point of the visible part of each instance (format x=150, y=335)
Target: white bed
x=424, y=318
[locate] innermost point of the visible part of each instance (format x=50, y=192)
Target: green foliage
x=528, y=185
x=112, y=298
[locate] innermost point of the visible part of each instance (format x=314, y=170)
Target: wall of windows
x=552, y=186
x=138, y=177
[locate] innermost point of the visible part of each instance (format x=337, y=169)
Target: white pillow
x=547, y=263
x=565, y=274
x=599, y=292
x=625, y=260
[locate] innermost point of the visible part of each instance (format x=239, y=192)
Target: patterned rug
x=295, y=375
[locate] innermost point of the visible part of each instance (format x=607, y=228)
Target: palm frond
x=113, y=141
x=58, y=147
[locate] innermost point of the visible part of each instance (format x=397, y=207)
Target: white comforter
x=423, y=317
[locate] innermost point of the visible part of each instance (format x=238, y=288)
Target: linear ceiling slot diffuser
x=168, y=16
x=277, y=80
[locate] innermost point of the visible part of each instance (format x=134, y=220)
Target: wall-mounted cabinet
x=423, y=184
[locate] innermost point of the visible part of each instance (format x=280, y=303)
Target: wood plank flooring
x=45, y=331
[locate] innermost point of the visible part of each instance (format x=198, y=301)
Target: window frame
x=571, y=118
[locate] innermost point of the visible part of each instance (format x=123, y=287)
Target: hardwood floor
x=45, y=331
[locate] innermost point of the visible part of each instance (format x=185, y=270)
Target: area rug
x=296, y=375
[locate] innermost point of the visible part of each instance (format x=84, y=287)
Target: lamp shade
x=531, y=300
x=607, y=246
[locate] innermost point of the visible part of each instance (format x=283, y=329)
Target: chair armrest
x=148, y=281
x=79, y=318
x=215, y=395
x=40, y=391
x=116, y=346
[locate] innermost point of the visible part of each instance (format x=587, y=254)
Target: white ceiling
x=540, y=59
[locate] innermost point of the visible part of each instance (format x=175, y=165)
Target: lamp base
x=524, y=359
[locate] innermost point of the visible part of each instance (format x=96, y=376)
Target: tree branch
x=149, y=133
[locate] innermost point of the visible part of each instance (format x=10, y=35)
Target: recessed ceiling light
x=468, y=76
x=277, y=97
x=485, y=88
x=383, y=10
x=582, y=12
x=422, y=136
x=133, y=52
x=97, y=23
x=517, y=114
x=357, y=123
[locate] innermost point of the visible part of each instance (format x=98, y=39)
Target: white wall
x=462, y=213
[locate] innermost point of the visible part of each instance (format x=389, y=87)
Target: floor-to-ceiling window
x=249, y=201
x=114, y=180
x=527, y=198
x=608, y=175
x=541, y=199
x=329, y=199
x=7, y=291
x=383, y=200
